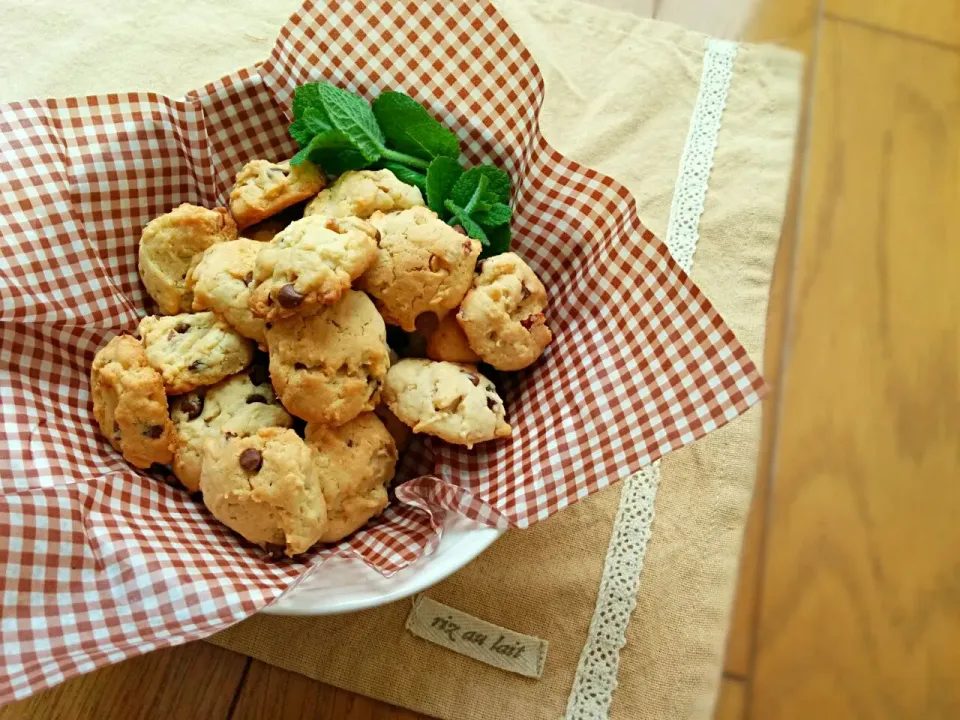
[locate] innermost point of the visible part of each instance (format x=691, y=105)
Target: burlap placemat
x=620, y=95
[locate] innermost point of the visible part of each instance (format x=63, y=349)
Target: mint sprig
x=339, y=131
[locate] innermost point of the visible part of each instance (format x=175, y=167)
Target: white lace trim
x=596, y=677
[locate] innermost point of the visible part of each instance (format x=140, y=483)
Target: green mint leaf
x=496, y=214
x=499, y=238
x=472, y=228
x=351, y=115
x=410, y=128
x=478, y=194
x=406, y=175
x=335, y=152
x=301, y=157
x=300, y=132
x=305, y=96
x=442, y=174
x=498, y=184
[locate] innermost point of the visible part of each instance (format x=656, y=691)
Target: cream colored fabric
x=620, y=91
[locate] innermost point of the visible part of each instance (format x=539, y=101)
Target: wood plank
x=860, y=611
x=732, y=702
x=271, y=693
x=793, y=25
x=191, y=681
x=935, y=20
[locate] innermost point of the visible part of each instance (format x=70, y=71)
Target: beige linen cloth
x=620, y=93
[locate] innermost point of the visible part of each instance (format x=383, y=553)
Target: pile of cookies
x=316, y=293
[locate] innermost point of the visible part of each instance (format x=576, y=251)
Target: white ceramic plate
x=344, y=585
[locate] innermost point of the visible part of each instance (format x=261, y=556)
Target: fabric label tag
x=470, y=636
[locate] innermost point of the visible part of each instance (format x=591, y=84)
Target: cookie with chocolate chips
x=236, y=407
x=502, y=315
x=193, y=350
x=263, y=188
x=129, y=403
x=452, y=401
x=328, y=367
x=267, y=488
x=309, y=264
x=221, y=282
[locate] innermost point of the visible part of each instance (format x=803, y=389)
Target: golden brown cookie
x=328, y=367
x=171, y=244
x=236, y=407
x=356, y=461
x=360, y=193
x=221, y=281
x=449, y=343
x=310, y=264
x=129, y=403
x=453, y=402
x=502, y=315
x=423, y=265
x=266, y=487
x=264, y=188
x=193, y=349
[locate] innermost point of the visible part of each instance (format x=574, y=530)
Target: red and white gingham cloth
x=103, y=562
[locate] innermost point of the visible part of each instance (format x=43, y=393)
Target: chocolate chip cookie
x=266, y=487
x=453, y=402
x=169, y=246
x=448, y=342
x=423, y=265
x=192, y=350
x=221, y=281
x=328, y=367
x=360, y=193
x=264, y=188
x=310, y=264
x=129, y=403
x=356, y=461
x=236, y=407
x=502, y=315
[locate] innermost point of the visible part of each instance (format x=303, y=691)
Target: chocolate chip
x=475, y=379
x=195, y=365
x=299, y=366
x=248, y=278
x=154, y=431
x=259, y=375
x=274, y=551
x=256, y=398
x=349, y=443
x=192, y=407
x=535, y=319
x=269, y=325
x=181, y=327
x=492, y=402
x=251, y=460
x=229, y=435
x=459, y=229
x=288, y=297
x=379, y=237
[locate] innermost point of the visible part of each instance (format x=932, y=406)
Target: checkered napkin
x=103, y=562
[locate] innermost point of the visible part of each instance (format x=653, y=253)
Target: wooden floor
x=849, y=597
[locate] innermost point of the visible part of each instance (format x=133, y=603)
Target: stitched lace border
x=596, y=677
